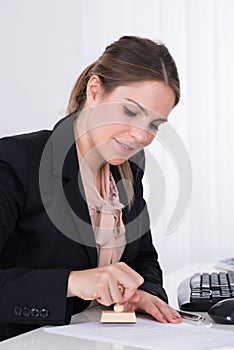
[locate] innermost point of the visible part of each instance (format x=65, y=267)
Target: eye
x=129, y=112
x=153, y=127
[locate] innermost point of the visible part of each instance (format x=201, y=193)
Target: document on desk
x=149, y=334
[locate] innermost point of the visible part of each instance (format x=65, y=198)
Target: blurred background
x=45, y=44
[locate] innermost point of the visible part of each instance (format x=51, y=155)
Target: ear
x=93, y=91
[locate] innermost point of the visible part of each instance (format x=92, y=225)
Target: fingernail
x=176, y=318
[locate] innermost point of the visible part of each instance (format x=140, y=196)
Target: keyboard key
x=214, y=281
x=205, y=281
x=195, y=282
x=223, y=279
x=231, y=279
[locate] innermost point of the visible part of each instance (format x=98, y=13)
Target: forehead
x=152, y=95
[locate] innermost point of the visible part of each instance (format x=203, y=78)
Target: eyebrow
x=145, y=111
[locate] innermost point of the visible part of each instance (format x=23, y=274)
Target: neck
x=84, y=147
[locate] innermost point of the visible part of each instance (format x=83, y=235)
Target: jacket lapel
x=65, y=165
x=80, y=214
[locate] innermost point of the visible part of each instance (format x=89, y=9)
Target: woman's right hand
x=103, y=283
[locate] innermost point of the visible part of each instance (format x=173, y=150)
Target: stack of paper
x=150, y=334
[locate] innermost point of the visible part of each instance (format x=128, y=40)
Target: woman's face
x=121, y=123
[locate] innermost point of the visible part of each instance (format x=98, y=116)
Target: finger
x=170, y=314
x=129, y=307
x=121, y=289
x=115, y=291
x=164, y=313
x=135, y=298
x=130, y=296
x=104, y=295
x=176, y=314
x=155, y=312
x=149, y=307
x=138, y=279
x=157, y=306
x=126, y=277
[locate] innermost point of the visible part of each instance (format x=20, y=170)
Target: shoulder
x=35, y=137
x=22, y=152
x=21, y=146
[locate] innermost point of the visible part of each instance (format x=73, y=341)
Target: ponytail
x=78, y=94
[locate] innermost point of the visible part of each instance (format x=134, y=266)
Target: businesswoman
x=73, y=222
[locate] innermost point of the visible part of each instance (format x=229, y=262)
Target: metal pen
x=191, y=317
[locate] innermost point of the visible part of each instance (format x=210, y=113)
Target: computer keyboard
x=202, y=290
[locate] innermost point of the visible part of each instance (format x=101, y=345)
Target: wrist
x=70, y=283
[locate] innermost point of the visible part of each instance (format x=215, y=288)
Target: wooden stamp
x=118, y=315
x=109, y=316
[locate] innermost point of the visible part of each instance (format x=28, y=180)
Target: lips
x=125, y=147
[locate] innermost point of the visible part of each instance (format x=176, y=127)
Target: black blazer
x=38, y=247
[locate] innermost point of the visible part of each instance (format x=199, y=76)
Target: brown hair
x=128, y=60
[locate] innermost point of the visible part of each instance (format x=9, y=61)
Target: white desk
x=39, y=339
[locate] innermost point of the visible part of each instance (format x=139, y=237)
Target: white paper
x=149, y=334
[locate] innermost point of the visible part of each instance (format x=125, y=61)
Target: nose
x=140, y=135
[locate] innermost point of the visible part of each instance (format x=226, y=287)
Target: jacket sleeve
x=27, y=296
x=148, y=267
x=146, y=263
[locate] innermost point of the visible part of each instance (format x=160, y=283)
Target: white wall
x=46, y=43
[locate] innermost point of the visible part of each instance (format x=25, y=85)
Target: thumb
x=130, y=295
x=129, y=307
x=135, y=298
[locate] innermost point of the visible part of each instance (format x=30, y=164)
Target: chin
x=117, y=161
